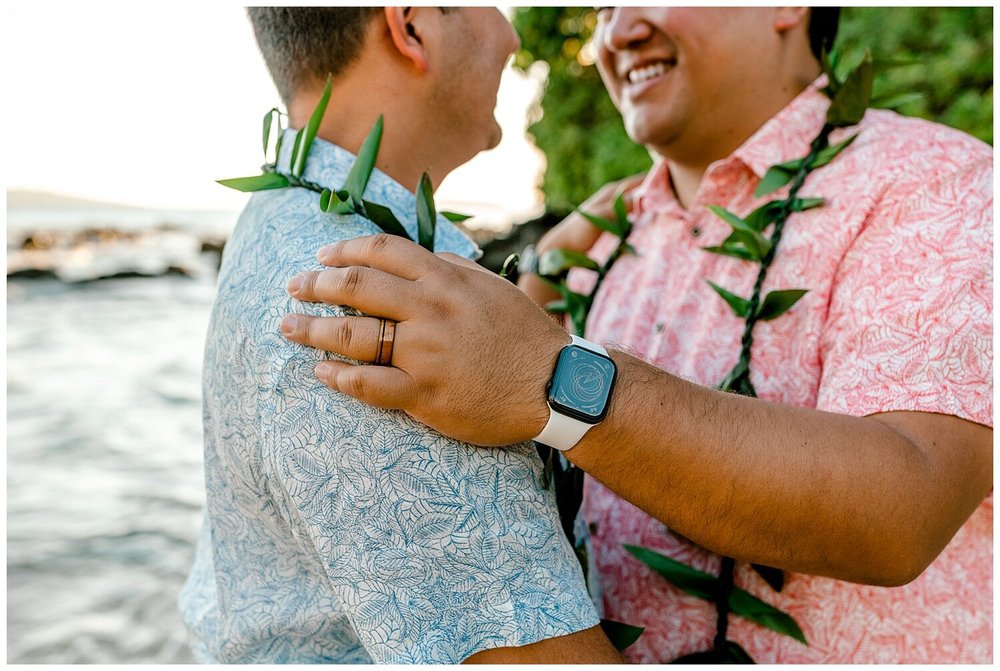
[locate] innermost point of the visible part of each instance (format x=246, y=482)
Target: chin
x=649, y=132
x=496, y=134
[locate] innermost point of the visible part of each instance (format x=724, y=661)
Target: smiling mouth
x=647, y=72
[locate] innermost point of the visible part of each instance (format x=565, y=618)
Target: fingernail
x=323, y=369
x=288, y=324
x=295, y=284
x=324, y=253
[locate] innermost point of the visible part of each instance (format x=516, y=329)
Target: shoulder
x=912, y=149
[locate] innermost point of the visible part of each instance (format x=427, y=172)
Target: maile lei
x=754, y=239
x=349, y=198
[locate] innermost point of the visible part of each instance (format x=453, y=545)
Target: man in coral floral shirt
x=863, y=468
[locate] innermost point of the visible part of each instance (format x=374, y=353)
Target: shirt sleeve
x=909, y=325
x=434, y=549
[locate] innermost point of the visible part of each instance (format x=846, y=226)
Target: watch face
x=582, y=384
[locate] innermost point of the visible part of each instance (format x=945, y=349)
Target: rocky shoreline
x=99, y=253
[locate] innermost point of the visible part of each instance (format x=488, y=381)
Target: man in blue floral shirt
x=336, y=532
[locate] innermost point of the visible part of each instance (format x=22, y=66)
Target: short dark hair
x=823, y=23
x=302, y=45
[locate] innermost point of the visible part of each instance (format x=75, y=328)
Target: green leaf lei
x=348, y=199
x=754, y=238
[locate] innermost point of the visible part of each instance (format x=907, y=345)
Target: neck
x=410, y=143
x=688, y=163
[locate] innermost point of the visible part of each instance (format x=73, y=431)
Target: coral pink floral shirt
x=898, y=317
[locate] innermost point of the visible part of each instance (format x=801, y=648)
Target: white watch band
x=561, y=431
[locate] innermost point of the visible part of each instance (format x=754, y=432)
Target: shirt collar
x=328, y=166
x=787, y=135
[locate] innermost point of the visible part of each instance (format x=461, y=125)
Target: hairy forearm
x=799, y=489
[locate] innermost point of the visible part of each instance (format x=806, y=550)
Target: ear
x=405, y=35
x=786, y=18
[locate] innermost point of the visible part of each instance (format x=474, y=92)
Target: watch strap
x=563, y=432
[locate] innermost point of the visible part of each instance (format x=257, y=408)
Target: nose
x=624, y=28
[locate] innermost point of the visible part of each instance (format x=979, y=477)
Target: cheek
x=611, y=83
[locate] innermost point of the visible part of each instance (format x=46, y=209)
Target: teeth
x=647, y=72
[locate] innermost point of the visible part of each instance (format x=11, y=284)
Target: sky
x=148, y=103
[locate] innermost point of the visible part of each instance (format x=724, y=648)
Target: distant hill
x=26, y=198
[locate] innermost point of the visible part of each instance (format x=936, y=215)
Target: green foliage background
x=581, y=134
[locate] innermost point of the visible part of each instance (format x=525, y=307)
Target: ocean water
x=104, y=466
x=104, y=443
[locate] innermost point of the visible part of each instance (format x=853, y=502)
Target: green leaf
x=692, y=581
x=579, y=306
x=574, y=304
x=299, y=165
x=578, y=315
x=705, y=586
x=731, y=653
x=778, y=302
x=774, y=577
x=729, y=249
x=509, y=265
x=830, y=153
x=746, y=605
x=268, y=120
x=738, y=379
x=559, y=306
x=277, y=143
x=764, y=215
x=740, y=306
x=426, y=215
x=735, y=654
x=604, y=224
x=295, y=148
x=621, y=212
x=270, y=180
x=803, y=204
x=620, y=634
x=557, y=261
x=331, y=201
x=755, y=243
x=776, y=177
x=455, y=217
x=364, y=164
x=382, y=216
x=852, y=99
x=829, y=62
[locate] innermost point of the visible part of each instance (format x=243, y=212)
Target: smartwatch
x=579, y=393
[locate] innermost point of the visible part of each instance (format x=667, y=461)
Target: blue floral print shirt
x=337, y=532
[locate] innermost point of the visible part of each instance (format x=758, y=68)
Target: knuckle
x=355, y=384
x=351, y=281
x=344, y=337
x=378, y=244
x=309, y=284
x=304, y=328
